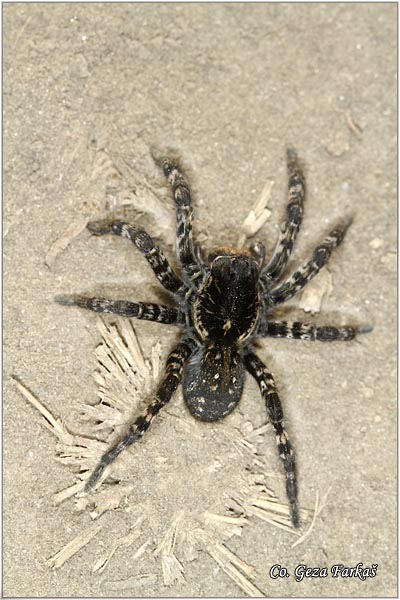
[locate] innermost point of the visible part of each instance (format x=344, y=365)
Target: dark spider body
x=222, y=305
x=225, y=313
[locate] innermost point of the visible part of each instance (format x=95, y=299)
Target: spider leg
x=140, y=310
x=300, y=278
x=168, y=385
x=289, y=229
x=184, y=216
x=274, y=408
x=306, y=331
x=154, y=255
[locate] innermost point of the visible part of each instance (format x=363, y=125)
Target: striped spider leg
x=146, y=311
x=187, y=254
x=143, y=242
x=305, y=331
x=289, y=229
x=161, y=268
x=296, y=282
x=169, y=383
x=269, y=392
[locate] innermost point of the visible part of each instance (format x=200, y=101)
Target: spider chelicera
x=223, y=305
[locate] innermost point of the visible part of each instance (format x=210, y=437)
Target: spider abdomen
x=213, y=381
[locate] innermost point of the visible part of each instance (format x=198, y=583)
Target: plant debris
x=57, y=561
x=317, y=291
x=257, y=216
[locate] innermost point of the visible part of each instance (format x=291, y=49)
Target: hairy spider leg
x=146, y=311
x=167, y=387
x=300, y=278
x=289, y=229
x=143, y=242
x=274, y=408
x=306, y=331
x=184, y=216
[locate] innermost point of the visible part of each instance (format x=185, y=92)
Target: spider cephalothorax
x=227, y=303
x=222, y=305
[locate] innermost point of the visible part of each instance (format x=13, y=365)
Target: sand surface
x=88, y=90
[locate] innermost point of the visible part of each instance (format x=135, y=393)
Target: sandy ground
x=88, y=90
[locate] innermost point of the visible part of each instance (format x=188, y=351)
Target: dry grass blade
x=72, y=448
x=141, y=550
x=225, y=526
x=133, y=347
x=125, y=348
x=239, y=442
x=238, y=570
x=57, y=561
x=265, y=506
x=155, y=360
x=275, y=520
x=173, y=570
x=259, y=431
x=121, y=377
x=257, y=216
x=212, y=518
x=133, y=582
x=123, y=373
x=51, y=423
x=69, y=492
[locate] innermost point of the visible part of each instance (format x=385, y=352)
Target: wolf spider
x=222, y=305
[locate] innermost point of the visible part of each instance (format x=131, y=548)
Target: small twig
x=57, y=561
x=54, y=425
